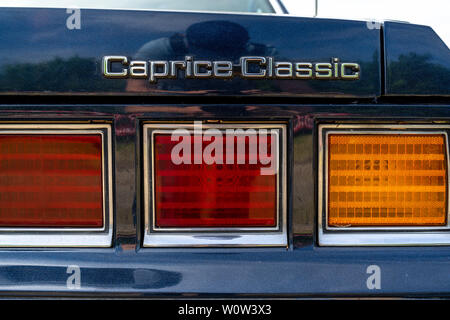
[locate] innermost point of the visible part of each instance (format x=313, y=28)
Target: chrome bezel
x=382, y=236
x=217, y=237
x=66, y=236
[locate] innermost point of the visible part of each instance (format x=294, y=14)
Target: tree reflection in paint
x=415, y=74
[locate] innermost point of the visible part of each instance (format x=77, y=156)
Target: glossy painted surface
x=43, y=55
x=417, y=61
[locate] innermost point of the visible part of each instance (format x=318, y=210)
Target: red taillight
x=213, y=195
x=51, y=180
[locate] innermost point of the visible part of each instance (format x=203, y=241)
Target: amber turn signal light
x=387, y=180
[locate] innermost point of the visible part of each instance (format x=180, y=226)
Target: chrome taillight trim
x=213, y=237
x=375, y=236
x=58, y=236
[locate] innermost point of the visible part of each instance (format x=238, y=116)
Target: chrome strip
x=216, y=240
x=66, y=237
x=217, y=237
x=276, y=6
x=361, y=236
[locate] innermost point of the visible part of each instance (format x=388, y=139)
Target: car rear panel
x=50, y=73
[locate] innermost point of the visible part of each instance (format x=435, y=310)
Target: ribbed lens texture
x=387, y=180
x=51, y=181
x=212, y=195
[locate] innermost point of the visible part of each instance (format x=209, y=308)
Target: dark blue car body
x=49, y=72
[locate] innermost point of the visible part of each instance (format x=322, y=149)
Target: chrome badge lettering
x=251, y=67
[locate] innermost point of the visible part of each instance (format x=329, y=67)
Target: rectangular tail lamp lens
x=379, y=180
x=51, y=180
x=227, y=192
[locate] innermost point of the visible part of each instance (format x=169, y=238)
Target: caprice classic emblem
x=121, y=67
